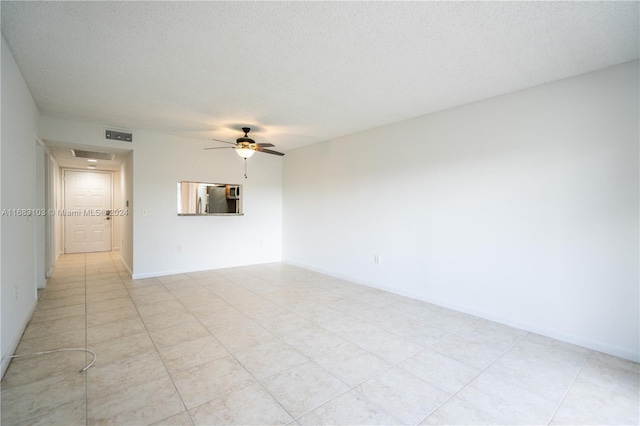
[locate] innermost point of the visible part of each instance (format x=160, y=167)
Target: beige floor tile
x=351, y=364
x=445, y=320
x=180, y=419
x=120, y=349
x=314, y=341
x=220, y=331
x=144, y=403
x=25, y=370
x=250, y=405
x=350, y=306
x=67, y=339
x=186, y=355
x=110, y=316
x=67, y=277
x=53, y=293
x=381, y=317
x=616, y=377
x=55, y=286
x=225, y=317
x=182, y=285
x=261, y=310
x=536, y=374
x=210, y=300
x=162, y=307
x=125, y=373
x=141, y=283
x=142, y=297
x=317, y=313
x=303, y=388
x=388, y=346
x=439, y=370
x=537, y=352
x=350, y=328
x=402, y=395
x=472, y=353
x=179, y=333
x=99, y=276
x=167, y=319
x=348, y=409
x=114, y=330
x=107, y=295
x=60, y=302
x=589, y=403
x=417, y=332
x=246, y=336
x=109, y=305
x=194, y=290
x=506, y=402
x=282, y=325
x=69, y=414
x=210, y=380
x=457, y=412
x=269, y=358
x=36, y=399
x=47, y=328
x=499, y=335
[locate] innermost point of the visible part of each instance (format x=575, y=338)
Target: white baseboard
x=15, y=341
x=127, y=266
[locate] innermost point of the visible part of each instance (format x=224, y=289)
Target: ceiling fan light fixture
x=245, y=152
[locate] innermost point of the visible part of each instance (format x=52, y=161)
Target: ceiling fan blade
x=269, y=151
x=221, y=147
x=264, y=145
x=220, y=140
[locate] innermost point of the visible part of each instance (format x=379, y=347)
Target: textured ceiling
x=300, y=72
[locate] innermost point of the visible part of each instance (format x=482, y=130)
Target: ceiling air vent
x=92, y=154
x=118, y=136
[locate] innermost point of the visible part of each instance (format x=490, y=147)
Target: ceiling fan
x=245, y=146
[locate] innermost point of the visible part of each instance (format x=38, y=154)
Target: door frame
x=64, y=204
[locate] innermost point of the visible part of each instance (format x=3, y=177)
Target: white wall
x=57, y=206
x=126, y=194
x=117, y=205
x=165, y=243
x=18, y=152
x=521, y=208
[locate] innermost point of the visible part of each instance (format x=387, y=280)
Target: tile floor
x=276, y=344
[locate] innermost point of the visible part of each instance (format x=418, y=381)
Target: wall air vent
x=92, y=154
x=118, y=136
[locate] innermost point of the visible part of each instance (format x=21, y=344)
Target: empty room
x=320, y=213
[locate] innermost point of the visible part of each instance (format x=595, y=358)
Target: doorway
x=87, y=211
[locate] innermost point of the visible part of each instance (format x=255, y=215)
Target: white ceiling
x=300, y=72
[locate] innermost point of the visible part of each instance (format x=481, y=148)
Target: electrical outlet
x=15, y=291
x=144, y=212
x=179, y=248
x=376, y=259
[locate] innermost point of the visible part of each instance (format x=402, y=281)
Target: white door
x=87, y=205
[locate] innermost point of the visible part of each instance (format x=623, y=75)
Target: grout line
x=570, y=386
x=474, y=377
x=230, y=352
x=158, y=353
